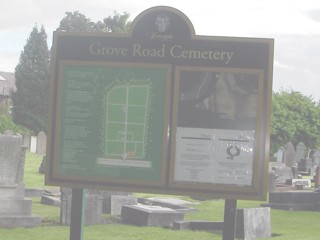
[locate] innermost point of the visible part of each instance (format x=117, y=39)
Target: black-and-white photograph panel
x=218, y=99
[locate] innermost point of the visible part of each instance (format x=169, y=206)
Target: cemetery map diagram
x=127, y=115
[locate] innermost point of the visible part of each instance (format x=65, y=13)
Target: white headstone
x=41, y=143
x=33, y=144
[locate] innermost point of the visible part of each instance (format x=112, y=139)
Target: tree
x=78, y=22
x=30, y=100
x=118, y=23
x=294, y=118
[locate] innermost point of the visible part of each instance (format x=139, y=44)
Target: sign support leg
x=229, y=226
x=77, y=214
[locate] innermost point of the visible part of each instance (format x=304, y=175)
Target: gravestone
x=253, y=223
x=169, y=202
x=289, y=155
x=144, y=215
x=93, y=206
x=33, y=144
x=300, y=152
x=281, y=172
x=41, y=143
x=316, y=157
x=26, y=141
x=305, y=166
x=15, y=209
x=106, y=199
x=279, y=155
x=113, y=205
x=294, y=200
x=284, y=171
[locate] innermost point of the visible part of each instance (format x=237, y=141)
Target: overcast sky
x=293, y=24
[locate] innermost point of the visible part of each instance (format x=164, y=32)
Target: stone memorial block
x=15, y=209
x=289, y=155
x=294, y=200
x=41, y=143
x=253, y=223
x=144, y=215
x=11, y=162
x=106, y=195
x=116, y=202
x=93, y=206
x=300, y=152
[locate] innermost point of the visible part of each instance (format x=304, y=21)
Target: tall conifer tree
x=30, y=100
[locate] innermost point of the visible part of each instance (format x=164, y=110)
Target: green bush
x=7, y=124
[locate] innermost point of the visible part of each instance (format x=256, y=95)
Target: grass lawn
x=32, y=177
x=286, y=225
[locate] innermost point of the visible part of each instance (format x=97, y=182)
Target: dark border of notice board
x=160, y=109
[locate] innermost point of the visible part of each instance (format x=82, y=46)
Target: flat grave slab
x=143, y=215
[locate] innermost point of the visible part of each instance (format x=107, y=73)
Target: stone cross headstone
x=289, y=155
x=15, y=210
x=300, y=152
x=41, y=143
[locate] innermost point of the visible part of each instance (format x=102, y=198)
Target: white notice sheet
x=215, y=156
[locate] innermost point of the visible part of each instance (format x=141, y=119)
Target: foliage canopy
x=77, y=22
x=295, y=118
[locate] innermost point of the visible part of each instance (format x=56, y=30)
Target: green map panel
x=112, y=121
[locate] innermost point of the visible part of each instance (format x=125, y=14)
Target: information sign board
x=160, y=109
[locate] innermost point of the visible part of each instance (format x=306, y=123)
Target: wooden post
x=77, y=214
x=229, y=226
